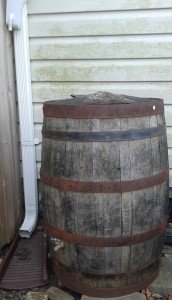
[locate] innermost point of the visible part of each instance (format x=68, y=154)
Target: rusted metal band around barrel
x=70, y=281
x=153, y=266
x=104, y=136
x=103, y=111
x=104, y=187
x=103, y=241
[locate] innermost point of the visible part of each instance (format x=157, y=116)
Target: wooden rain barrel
x=104, y=181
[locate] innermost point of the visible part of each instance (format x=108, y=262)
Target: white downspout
x=25, y=107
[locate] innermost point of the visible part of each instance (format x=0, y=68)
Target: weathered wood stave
x=92, y=213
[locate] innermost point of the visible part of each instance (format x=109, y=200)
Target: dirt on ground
x=153, y=296
x=12, y=295
x=20, y=295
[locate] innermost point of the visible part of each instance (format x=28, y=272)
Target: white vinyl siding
x=86, y=46
x=64, y=6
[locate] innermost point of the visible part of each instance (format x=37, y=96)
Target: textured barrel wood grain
x=105, y=215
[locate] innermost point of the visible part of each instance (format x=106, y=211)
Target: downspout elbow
x=29, y=223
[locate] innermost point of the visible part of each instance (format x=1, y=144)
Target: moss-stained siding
x=84, y=46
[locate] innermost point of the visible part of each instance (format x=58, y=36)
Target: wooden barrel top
x=103, y=106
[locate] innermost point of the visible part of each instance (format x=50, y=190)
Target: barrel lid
x=103, y=105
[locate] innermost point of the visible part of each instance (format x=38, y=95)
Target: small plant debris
x=154, y=296
x=23, y=253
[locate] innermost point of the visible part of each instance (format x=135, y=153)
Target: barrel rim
x=56, y=109
x=83, y=100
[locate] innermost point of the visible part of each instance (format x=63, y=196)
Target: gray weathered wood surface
x=10, y=196
x=112, y=214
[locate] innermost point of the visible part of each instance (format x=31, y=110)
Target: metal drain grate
x=27, y=268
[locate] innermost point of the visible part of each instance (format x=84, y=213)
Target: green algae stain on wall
x=98, y=50
x=61, y=72
x=144, y=4
x=120, y=70
x=44, y=74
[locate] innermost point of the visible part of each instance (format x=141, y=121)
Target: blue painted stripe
x=104, y=136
